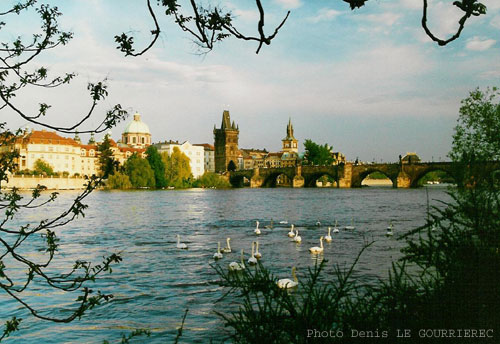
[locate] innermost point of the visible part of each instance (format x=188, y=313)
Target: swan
x=235, y=266
x=291, y=234
x=283, y=222
x=335, y=229
x=297, y=237
x=180, y=244
x=257, y=254
x=318, y=223
x=218, y=255
x=252, y=260
x=227, y=249
x=389, y=230
x=286, y=283
x=271, y=226
x=328, y=238
x=257, y=230
x=351, y=227
x=316, y=249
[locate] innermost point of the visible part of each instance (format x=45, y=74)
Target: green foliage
x=139, y=172
x=156, y=163
x=42, y=167
x=318, y=155
x=107, y=164
x=118, y=181
x=477, y=134
x=177, y=169
x=211, y=180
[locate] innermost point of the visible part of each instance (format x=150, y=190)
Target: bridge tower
x=290, y=142
x=226, y=144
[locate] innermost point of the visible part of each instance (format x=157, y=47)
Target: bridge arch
x=356, y=182
x=311, y=178
x=416, y=180
x=271, y=178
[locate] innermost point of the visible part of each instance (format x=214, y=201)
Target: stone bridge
x=348, y=175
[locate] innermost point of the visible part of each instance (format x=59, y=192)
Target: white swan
x=257, y=254
x=335, y=229
x=286, y=283
x=283, y=222
x=218, y=255
x=252, y=260
x=180, y=244
x=227, y=249
x=318, y=223
x=328, y=238
x=297, y=237
x=389, y=230
x=257, y=230
x=316, y=249
x=235, y=266
x=291, y=234
x=351, y=227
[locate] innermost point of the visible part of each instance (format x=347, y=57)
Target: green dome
x=137, y=126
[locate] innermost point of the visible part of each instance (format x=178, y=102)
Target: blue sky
x=368, y=82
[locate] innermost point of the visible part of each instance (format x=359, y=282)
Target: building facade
x=209, y=156
x=226, y=145
x=195, y=153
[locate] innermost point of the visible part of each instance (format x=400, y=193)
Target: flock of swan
x=293, y=234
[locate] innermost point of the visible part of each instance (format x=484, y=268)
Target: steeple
x=92, y=139
x=77, y=138
x=290, y=143
x=289, y=130
x=226, y=120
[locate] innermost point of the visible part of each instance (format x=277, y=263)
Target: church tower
x=290, y=143
x=226, y=145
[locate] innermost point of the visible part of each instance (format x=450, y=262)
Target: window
x=142, y=140
x=92, y=152
x=51, y=149
x=133, y=139
x=66, y=157
x=82, y=152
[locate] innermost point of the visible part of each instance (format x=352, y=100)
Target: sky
x=368, y=82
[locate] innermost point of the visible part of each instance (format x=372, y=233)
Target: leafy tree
x=210, y=179
x=43, y=167
x=177, y=168
x=107, y=164
x=139, y=172
x=118, y=180
x=317, y=154
x=20, y=70
x=156, y=163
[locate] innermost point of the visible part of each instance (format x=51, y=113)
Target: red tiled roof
x=48, y=137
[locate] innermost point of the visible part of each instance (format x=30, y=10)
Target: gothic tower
x=290, y=142
x=226, y=144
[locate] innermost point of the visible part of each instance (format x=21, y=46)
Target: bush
x=118, y=181
x=210, y=179
x=42, y=167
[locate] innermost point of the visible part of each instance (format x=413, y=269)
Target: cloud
x=289, y=4
x=386, y=19
x=324, y=14
x=495, y=21
x=477, y=44
x=412, y=4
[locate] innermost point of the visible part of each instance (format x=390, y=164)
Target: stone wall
x=52, y=183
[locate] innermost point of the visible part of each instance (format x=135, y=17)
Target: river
x=156, y=282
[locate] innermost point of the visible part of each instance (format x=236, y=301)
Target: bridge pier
x=403, y=180
x=346, y=180
x=298, y=181
x=256, y=181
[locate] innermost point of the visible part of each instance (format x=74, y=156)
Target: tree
x=211, y=24
x=107, y=164
x=43, y=167
x=139, y=172
x=118, y=181
x=156, y=163
x=19, y=70
x=210, y=179
x=316, y=154
x=177, y=168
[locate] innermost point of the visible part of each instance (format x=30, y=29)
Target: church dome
x=137, y=126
